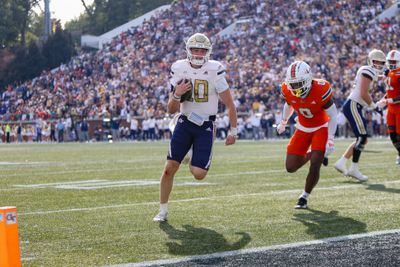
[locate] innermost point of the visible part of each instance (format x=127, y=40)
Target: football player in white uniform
x=197, y=83
x=358, y=100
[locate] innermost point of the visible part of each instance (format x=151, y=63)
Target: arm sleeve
x=287, y=112
x=332, y=124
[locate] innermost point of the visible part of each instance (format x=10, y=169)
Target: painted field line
x=55, y=184
x=259, y=249
x=277, y=192
x=110, y=169
x=34, y=186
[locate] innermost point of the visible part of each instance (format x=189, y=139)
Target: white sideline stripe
x=109, y=169
x=126, y=184
x=56, y=184
x=28, y=258
x=194, y=199
x=257, y=250
x=24, y=163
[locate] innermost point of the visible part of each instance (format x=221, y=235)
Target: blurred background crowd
x=125, y=84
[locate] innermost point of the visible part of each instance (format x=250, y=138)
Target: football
x=188, y=95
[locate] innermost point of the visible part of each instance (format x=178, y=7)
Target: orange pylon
x=10, y=255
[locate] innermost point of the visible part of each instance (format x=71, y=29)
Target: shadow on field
x=383, y=188
x=198, y=240
x=329, y=224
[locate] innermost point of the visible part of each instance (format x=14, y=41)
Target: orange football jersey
x=310, y=109
x=393, y=89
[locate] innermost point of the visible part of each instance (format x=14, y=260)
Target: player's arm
x=226, y=98
x=175, y=95
x=331, y=109
x=287, y=112
x=364, y=89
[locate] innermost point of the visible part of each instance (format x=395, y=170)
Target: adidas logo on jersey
x=313, y=102
x=208, y=129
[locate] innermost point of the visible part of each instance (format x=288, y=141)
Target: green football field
x=93, y=204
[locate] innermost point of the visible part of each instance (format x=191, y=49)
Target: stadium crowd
x=128, y=78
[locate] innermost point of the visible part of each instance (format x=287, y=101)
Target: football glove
x=281, y=127
x=382, y=103
x=330, y=147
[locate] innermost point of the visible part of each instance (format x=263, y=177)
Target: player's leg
x=354, y=114
x=171, y=127
x=393, y=124
x=297, y=155
x=397, y=144
x=179, y=146
x=318, y=145
x=202, y=150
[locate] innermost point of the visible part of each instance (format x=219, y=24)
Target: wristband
x=233, y=131
x=176, y=98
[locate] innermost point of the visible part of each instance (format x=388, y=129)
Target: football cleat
x=301, y=203
x=160, y=217
x=398, y=160
x=325, y=161
x=340, y=167
x=355, y=173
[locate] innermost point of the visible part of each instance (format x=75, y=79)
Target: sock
x=304, y=195
x=164, y=208
x=342, y=160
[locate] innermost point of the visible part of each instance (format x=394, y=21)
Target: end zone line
x=259, y=249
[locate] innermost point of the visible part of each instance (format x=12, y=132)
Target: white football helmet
x=393, y=60
x=198, y=40
x=299, y=78
x=374, y=57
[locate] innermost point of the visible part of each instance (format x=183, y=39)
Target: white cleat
x=340, y=167
x=355, y=173
x=398, y=160
x=160, y=217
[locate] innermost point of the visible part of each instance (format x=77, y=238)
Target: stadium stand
x=129, y=75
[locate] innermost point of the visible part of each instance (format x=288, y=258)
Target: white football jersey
x=355, y=94
x=208, y=81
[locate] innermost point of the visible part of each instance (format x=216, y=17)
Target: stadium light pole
x=47, y=20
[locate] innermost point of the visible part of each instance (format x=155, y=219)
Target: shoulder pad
x=323, y=84
x=179, y=65
x=214, y=65
x=283, y=89
x=367, y=70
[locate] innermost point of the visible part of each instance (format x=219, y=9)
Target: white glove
x=330, y=147
x=281, y=127
x=373, y=105
x=382, y=103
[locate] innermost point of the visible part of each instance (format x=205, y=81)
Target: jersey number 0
x=306, y=113
x=200, y=91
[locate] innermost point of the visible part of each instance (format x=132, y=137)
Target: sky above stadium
x=66, y=10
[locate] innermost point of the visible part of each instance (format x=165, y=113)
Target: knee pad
x=360, y=143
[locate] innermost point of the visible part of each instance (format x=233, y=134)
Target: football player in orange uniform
x=392, y=99
x=316, y=124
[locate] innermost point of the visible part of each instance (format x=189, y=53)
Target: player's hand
x=373, y=105
x=330, y=147
x=230, y=140
x=281, y=127
x=382, y=103
x=182, y=87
